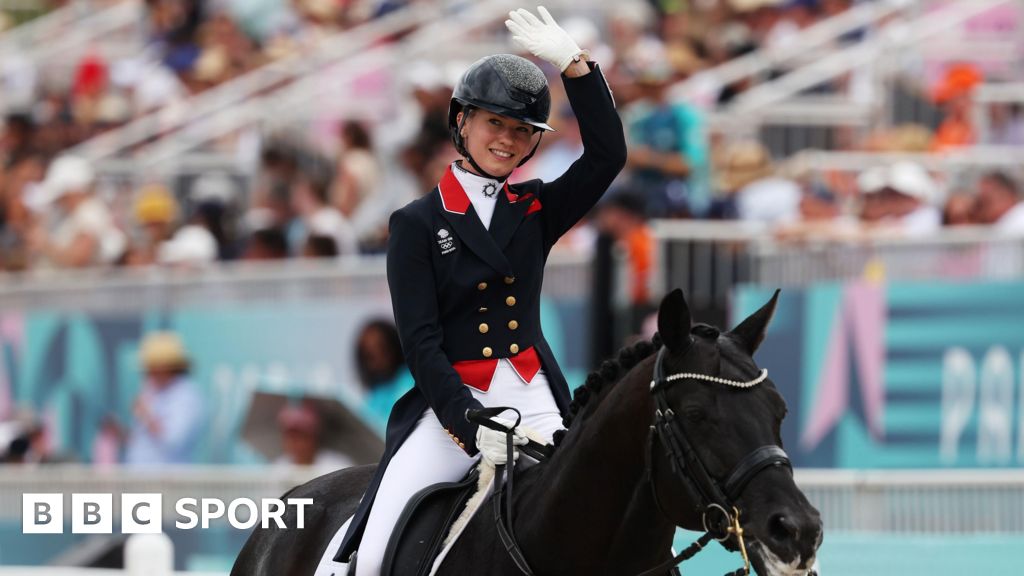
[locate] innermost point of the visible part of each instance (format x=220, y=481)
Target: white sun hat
x=66, y=174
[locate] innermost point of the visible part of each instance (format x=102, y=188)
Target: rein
x=720, y=516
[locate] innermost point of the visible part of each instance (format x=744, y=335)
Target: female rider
x=465, y=266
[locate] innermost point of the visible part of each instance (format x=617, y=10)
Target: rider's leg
x=427, y=456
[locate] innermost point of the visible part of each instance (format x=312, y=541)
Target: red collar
x=454, y=197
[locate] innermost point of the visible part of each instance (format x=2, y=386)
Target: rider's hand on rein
x=493, y=443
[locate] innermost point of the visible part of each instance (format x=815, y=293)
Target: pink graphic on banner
x=860, y=321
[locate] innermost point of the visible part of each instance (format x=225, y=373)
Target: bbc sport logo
x=143, y=513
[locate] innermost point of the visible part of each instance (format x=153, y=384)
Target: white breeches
x=429, y=456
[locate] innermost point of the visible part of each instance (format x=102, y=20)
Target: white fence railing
x=708, y=259
x=567, y=275
x=821, y=38
x=881, y=81
x=903, y=501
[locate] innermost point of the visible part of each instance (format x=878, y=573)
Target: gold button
x=512, y=324
x=514, y=348
x=461, y=445
x=481, y=286
x=484, y=328
x=487, y=352
x=511, y=300
x=509, y=279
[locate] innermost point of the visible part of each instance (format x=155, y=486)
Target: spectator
x=1008, y=124
x=556, y=156
x=358, y=171
x=668, y=149
x=959, y=210
x=316, y=216
x=84, y=233
x=169, y=411
x=16, y=219
x=156, y=213
x=16, y=138
x=266, y=244
x=24, y=440
x=623, y=217
x=301, y=433
x=317, y=246
x=820, y=217
x=954, y=94
x=999, y=204
x=748, y=177
x=382, y=369
x=903, y=201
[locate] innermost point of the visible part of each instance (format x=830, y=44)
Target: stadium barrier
x=900, y=501
x=708, y=259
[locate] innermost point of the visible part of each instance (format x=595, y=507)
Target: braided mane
x=604, y=378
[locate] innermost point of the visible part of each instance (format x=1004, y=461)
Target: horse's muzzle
x=792, y=535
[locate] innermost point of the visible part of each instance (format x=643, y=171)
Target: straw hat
x=163, y=351
x=743, y=163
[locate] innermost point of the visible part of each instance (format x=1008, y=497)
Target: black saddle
x=423, y=525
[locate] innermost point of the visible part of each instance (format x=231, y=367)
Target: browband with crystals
x=715, y=379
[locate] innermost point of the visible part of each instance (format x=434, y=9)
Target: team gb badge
x=445, y=241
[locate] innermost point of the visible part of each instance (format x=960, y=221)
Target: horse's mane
x=604, y=378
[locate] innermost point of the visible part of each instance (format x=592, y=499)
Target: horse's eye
x=695, y=415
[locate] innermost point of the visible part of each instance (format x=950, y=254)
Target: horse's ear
x=674, y=321
x=751, y=331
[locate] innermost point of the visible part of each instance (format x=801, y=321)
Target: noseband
x=716, y=501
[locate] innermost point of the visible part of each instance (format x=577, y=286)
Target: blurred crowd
x=308, y=200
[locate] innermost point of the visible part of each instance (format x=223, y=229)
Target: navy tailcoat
x=449, y=276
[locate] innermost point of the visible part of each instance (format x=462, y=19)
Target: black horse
x=637, y=461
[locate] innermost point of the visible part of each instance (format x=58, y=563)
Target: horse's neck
x=595, y=490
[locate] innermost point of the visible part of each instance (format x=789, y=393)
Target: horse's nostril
x=782, y=528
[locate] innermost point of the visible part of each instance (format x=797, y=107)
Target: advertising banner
x=78, y=371
x=902, y=375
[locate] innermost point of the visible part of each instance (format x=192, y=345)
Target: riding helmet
x=503, y=84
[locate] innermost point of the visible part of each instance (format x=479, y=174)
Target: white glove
x=492, y=445
x=545, y=40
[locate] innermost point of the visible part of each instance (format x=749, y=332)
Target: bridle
x=716, y=501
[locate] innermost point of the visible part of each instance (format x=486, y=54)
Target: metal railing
x=812, y=42
x=98, y=289
x=708, y=259
x=864, y=53
x=900, y=501
x=918, y=501
x=781, y=113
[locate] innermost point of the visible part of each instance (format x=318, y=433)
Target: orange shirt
x=639, y=246
x=953, y=134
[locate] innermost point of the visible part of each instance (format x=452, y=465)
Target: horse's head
x=723, y=417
